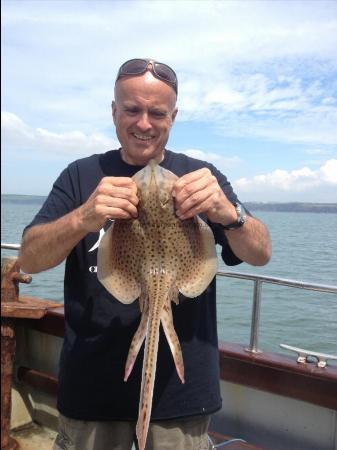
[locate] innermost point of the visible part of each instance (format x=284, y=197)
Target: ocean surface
x=304, y=248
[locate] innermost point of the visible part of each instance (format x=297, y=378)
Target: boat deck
x=272, y=401
x=34, y=437
x=220, y=441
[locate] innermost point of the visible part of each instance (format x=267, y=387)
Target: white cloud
x=39, y=142
x=250, y=60
x=316, y=151
x=283, y=109
x=46, y=144
x=329, y=172
x=222, y=163
x=302, y=184
x=256, y=71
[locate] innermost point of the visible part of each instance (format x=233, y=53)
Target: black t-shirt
x=99, y=329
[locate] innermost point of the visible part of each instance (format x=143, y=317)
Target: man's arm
x=251, y=243
x=199, y=192
x=47, y=245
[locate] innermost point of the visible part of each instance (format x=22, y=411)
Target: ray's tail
x=148, y=377
x=156, y=309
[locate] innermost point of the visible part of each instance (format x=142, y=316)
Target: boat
x=271, y=401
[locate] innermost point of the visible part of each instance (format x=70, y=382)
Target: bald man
x=97, y=409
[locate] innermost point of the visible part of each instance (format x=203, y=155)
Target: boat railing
x=258, y=281
x=243, y=366
x=10, y=246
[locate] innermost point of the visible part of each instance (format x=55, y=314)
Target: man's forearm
x=251, y=242
x=47, y=245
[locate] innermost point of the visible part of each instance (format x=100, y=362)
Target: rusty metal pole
x=9, y=293
x=7, y=359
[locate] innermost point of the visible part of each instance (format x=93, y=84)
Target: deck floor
x=37, y=437
x=34, y=437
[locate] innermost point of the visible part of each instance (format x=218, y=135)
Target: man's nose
x=144, y=123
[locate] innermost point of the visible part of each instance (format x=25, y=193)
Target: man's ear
x=175, y=112
x=113, y=111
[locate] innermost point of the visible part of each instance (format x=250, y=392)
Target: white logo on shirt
x=101, y=234
x=93, y=269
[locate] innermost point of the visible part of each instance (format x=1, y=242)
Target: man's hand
x=47, y=245
x=199, y=192
x=114, y=198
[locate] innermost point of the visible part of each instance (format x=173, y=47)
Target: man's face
x=143, y=113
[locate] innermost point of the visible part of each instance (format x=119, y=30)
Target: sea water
x=304, y=248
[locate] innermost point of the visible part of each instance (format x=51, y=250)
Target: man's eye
x=131, y=111
x=158, y=114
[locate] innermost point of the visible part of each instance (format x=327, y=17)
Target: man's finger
x=196, y=208
x=192, y=176
x=186, y=188
x=194, y=200
x=123, y=192
x=107, y=205
x=119, y=181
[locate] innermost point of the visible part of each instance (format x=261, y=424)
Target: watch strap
x=241, y=219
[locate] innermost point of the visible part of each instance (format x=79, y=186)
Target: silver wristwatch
x=240, y=210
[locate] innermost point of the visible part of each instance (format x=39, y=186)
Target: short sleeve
x=60, y=201
x=227, y=254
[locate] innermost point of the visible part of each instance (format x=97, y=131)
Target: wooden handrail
x=271, y=372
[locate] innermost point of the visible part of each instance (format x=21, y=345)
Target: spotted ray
x=153, y=258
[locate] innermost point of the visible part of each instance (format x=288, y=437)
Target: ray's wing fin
x=118, y=261
x=198, y=258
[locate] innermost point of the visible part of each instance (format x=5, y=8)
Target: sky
x=257, y=88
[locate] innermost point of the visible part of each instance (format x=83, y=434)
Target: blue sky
x=257, y=88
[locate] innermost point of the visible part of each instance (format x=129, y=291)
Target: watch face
x=240, y=220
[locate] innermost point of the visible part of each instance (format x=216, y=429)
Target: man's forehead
x=144, y=86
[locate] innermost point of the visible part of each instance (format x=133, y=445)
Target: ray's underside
x=153, y=258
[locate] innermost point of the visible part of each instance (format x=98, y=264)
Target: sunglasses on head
x=138, y=66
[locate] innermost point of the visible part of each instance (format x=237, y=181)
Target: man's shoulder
x=93, y=161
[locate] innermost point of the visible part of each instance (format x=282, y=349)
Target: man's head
x=144, y=109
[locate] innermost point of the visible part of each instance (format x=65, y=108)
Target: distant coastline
x=293, y=207
x=253, y=206
x=23, y=199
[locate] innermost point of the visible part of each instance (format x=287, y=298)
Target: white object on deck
x=303, y=355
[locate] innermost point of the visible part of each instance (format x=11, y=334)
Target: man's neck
x=132, y=162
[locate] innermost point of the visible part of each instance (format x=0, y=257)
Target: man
x=97, y=409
